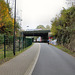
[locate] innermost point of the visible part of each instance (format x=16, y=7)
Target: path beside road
x=22, y=64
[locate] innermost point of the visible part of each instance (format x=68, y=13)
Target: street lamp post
x=14, y=28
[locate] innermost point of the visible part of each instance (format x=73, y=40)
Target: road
x=21, y=64
x=53, y=61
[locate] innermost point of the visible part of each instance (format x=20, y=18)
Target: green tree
x=40, y=27
x=64, y=25
x=47, y=27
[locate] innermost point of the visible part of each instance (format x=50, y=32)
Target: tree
x=6, y=20
x=40, y=27
x=70, y=2
x=43, y=28
x=48, y=27
x=64, y=26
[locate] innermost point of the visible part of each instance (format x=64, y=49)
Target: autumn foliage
x=6, y=20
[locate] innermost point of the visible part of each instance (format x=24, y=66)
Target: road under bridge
x=42, y=33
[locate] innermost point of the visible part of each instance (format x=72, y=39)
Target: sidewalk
x=22, y=64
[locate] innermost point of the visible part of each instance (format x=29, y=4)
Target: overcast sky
x=38, y=12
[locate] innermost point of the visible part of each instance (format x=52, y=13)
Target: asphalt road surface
x=53, y=61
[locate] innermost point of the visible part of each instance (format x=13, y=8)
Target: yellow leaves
x=6, y=21
x=0, y=19
x=3, y=8
x=4, y=13
x=2, y=24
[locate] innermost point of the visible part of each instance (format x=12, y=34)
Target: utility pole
x=14, y=28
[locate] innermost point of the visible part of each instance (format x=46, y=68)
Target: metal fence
x=6, y=45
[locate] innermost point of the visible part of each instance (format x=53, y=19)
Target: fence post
x=4, y=47
x=19, y=43
x=25, y=43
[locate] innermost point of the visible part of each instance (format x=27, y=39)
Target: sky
x=38, y=12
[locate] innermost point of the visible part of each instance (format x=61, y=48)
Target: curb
x=32, y=65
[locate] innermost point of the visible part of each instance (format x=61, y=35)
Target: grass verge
x=10, y=55
x=65, y=49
